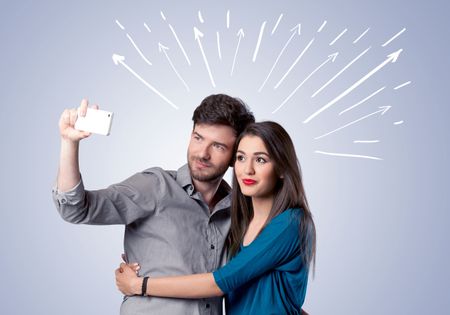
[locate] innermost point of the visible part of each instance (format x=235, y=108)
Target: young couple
x=178, y=222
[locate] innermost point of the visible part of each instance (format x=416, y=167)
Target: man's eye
x=219, y=147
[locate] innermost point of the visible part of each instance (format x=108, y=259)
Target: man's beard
x=212, y=173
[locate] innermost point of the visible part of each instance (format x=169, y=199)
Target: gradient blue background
x=382, y=225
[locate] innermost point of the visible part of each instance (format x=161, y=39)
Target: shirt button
x=212, y=246
x=63, y=201
x=207, y=305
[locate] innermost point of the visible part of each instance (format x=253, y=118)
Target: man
x=176, y=221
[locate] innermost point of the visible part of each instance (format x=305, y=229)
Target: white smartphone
x=96, y=121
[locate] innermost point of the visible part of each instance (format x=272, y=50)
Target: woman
x=272, y=238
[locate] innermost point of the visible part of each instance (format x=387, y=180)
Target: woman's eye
x=261, y=160
x=240, y=158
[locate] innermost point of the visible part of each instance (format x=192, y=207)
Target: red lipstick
x=248, y=181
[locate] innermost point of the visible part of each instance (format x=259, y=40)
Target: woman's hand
x=127, y=280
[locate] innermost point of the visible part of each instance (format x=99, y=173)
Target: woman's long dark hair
x=289, y=191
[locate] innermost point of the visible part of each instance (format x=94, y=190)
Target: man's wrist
x=137, y=286
x=144, y=286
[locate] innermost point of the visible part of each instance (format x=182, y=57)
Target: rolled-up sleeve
x=122, y=203
x=277, y=244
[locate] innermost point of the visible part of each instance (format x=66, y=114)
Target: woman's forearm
x=187, y=287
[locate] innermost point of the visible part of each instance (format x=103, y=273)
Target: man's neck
x=208, y=190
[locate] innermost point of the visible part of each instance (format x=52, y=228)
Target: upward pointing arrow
x=382, y=111
x=198, y=35
x=164, y=50
x=331, y=58
x=296, y=30
x=118, y=59
x=390, y=58
x=240, y=34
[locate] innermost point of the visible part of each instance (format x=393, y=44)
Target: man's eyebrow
x=197, y=134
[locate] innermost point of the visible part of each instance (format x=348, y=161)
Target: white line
x=218, y=45
x=138, y=50
x=402, y=85
x=339, y=36
x=322, y=26
x=228, y=19
x=394, y=37
x=164, y=49
x=362, y=101
x=200, y=17
x=162, y=15
x=240, y=34
x=120, y=25
x=366, y=141
x=399, y=122
x=276, y=24
x=198, y=35
x=120, y=59
x=295, y=30
x=350, y=155
x=295, y=62
x=340, y=72
x=148, y=28
x=361, y=36
x=261, y=31
x=179, y=44
x=330, y=57
x=383, y=110
x=390, y=58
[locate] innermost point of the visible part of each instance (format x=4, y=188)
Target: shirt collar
x=185, y=181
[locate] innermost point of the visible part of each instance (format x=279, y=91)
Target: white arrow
x=331, y=57
x=240, y=34
x=120, y=59
x=295, y=31
x=340, y=72
x=198, y=35
x=295, y=62
x=138, y=50
x=179, y=44
x=258, y=43
x=164, y=49
x=382, y=111
x=350, y=155
x=390, y=58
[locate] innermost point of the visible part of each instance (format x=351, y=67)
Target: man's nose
x=204, y=152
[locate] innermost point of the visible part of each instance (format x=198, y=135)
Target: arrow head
x=161, y=47
x=297, y=28
x=117, y=58
x=197, y=33
x=384, y=109
x=240, y=33
x=393, y=57
x=333, y=56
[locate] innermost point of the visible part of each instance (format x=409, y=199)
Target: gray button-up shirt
x=169, y=230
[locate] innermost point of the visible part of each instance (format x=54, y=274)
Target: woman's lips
x=248, y=181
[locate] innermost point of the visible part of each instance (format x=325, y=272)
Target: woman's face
x=254, y=168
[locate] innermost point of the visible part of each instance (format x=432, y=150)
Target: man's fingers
x=73, y=115
x=83, y=107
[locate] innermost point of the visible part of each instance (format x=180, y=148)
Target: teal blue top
x=267, y=276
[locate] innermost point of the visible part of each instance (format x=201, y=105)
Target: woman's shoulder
x=289, y=219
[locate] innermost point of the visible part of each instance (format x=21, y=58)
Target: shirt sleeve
x=122, y=203
x=277, y=244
